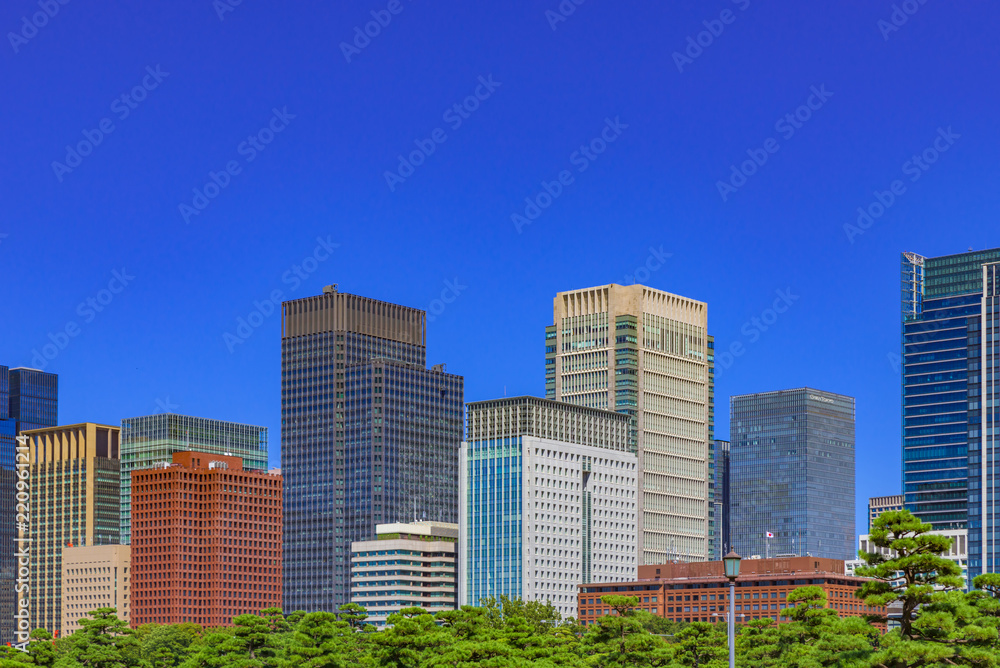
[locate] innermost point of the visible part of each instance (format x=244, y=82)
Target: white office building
x=547, y=501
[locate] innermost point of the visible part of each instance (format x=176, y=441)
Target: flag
x=770, y=535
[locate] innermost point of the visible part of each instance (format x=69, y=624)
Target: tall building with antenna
x=369, y=435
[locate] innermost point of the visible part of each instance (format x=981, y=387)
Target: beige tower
x=74, y=501
x=645, y=352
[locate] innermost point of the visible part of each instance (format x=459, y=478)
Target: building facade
x=94, y=577
x=369, y=435
x=645, y=353
x=153, y=439
x=700, y=592
x=548, y=500
x=951, y=395
x=74, y=483
x=881, y=504
x=206, y=543
x=720, y=481
x=792, y=458
x=407, y=565
x=29, y=399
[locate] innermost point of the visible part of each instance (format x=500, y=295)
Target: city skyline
x=721, y=416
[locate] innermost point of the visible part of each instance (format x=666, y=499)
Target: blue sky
x=300, y=132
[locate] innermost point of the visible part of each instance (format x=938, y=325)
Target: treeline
x=940, y=625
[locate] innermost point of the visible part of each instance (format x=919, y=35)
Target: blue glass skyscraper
x=792, y=473
x=28, y=400
x=949, y=388
x=369, y=435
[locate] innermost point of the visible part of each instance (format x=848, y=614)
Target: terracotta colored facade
x=699, y=592
x=206, y=541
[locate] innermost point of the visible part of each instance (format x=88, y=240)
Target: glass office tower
x=28, y=400
x=153, y=439
x=792, y=473
x=950, y=395
x=368, y=435
x=720, y=479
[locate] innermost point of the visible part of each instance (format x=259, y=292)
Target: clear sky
x=286, y=119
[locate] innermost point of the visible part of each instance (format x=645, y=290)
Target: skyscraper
x=28, y=400
x=74, y=497
x=722, y=499
x=645, y=353
x=548, y=501
x=207, y=541
x=153, y=439
x=792, y=473
x=369, y=435
x=951, y=396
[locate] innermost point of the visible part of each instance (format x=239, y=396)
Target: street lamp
x=731, y=562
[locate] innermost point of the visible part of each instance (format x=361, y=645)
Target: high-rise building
x=722, y=500
x=880, y=504
x=951, y=396
x=647, y=354
x=153, y=439
x=431, y=585
x=28, y=400
x=369, y=435
x=74, y=486
x=548, y=500
x=206, y=542
x=34, y=398
x=792, y=473
x=94, y=577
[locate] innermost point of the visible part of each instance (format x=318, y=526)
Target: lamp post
x=732, y=564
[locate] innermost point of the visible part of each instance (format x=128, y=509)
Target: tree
x=913, y=570
x=104, y=641
x=702, y=645
x=165, y=646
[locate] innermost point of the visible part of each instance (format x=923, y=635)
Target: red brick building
x=206, y=541
x=699, y=592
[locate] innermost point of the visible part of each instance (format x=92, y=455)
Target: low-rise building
x=94, y=576
x=407, y=565
x=699, y=592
